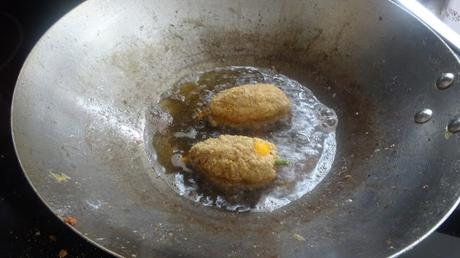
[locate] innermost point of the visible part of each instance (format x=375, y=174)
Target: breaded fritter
x=246, y=106
x=230, y=160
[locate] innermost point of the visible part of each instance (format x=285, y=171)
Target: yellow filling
x=262, y=148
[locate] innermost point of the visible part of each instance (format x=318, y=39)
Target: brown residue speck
x=62, y=253
x=69, y=220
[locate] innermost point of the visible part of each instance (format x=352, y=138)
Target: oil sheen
x=306, y=139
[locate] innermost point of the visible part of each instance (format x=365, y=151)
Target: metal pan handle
x=447, y=34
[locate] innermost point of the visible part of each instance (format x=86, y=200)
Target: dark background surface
x=27, y=227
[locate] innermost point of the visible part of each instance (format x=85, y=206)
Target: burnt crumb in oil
x=306, y=138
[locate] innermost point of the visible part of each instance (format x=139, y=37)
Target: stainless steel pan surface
x=79, y=115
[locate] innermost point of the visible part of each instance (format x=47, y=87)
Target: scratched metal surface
x=79, y=108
